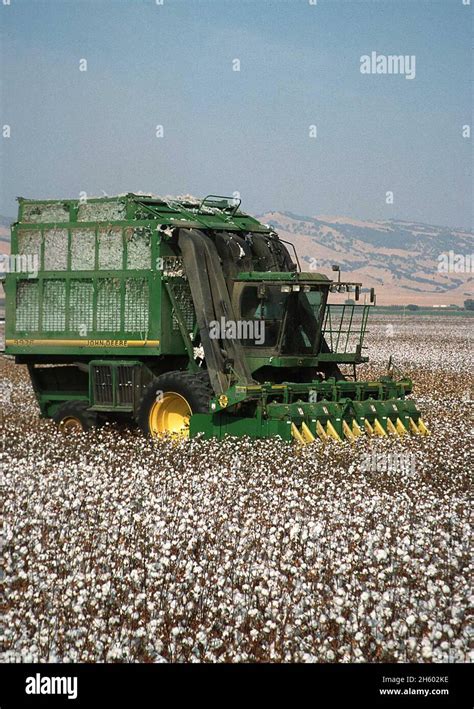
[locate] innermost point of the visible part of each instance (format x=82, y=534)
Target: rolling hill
x=399, y=259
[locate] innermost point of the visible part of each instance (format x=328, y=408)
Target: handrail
x=294, y=249
x=237, y=202
x=339, y=325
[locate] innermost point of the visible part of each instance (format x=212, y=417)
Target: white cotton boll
x=411, y=619
x=224, y=556
x=426, y=652
x=294, y=531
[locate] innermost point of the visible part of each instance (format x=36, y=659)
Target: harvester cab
x=190, y=318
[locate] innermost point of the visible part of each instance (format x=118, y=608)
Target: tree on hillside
x=469, y=304
x=412, y=306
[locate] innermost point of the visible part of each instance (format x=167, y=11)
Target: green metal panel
x=92, y=295
x=99, y=288
x=220, y=425
x=113, y=385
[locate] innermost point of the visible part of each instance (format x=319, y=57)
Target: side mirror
x=372, y=295
x=357, y=292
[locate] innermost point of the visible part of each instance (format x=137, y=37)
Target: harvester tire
x=73, y=417
x=170, y=400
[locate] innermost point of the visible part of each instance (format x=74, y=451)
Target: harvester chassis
x=171, y=270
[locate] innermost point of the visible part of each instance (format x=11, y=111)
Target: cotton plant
x=123, y=549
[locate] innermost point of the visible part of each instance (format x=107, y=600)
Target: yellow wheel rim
x=170, y=414
x=70, y=424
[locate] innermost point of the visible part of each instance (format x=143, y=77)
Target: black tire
x=195, y=388
x=72, y=416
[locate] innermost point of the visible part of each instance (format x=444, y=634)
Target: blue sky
x=246, y=130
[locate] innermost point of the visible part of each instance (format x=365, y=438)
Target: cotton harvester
x=189, y=318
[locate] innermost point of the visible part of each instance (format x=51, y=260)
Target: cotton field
x=122, y=549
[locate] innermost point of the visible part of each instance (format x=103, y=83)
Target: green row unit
x=342, y=416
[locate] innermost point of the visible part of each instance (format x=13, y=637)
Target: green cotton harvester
x=188, y=318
